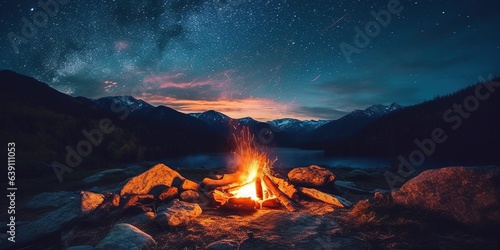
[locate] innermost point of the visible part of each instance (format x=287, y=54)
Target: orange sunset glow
x=258, y=108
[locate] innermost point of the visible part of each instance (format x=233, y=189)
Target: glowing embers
x=250, y=187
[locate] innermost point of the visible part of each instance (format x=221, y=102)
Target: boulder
x=156, y=176
x=312, y=176
x=177, y=212
x=90, y=201
x=190, y=196
x=467, y=195
x=126, y=236
x=51, y=223
x=52, y=199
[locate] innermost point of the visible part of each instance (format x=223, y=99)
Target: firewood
x=284, y=200
x=327, y=198
x=227, y=179
x=271, y=203
x=190, y=185
x=219, y=196
x=258, y=188
x=240, y=204
x=287, y=187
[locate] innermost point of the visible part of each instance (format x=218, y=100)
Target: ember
x=250, y=186
x=252, y=164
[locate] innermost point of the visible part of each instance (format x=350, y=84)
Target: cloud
x=180, y=85
x=363, y=91
x=258, y=108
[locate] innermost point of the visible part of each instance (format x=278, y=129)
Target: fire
x=252, y=163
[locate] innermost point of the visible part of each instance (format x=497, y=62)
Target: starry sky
x=260, y=58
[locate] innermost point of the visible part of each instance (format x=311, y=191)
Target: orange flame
x=251, y=163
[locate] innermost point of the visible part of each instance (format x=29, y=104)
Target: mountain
x=346, y=126
x=283, y=129
x=47, y=125
x=130, y=102
x=297, y=126
x=226, y=125
x=460, y=128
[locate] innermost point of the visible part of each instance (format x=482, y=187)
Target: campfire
x=251, y=186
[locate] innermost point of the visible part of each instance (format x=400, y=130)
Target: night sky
x=259, y=58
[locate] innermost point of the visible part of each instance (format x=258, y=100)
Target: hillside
x=466, y=122
x=46, y=124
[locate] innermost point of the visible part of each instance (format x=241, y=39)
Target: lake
x=287, y=158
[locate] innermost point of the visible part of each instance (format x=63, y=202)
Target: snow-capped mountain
x=213, y=118
x=348, y=124
x=133, y=104
x=295, y=125
x=376, y=110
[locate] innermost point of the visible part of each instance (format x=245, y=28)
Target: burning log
x=284, y=200
x=219, y=197
x=226, y=180
x=241, y=204
x=258, y=188
x=286, y=187
x=271, y=203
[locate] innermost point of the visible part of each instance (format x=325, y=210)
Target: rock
x=90, y=201
x=168, y=193
x=286, y=187
x=312, y=176
x=134, y=200
x=82, y=247
x=223, y=245
x=156, y=176
x=140, y=219
x=52, y=199
x=126, y=236
x=177, y=212
x=379, y=197
x=327, y=198
x=115, y=202
x=190, y=196
x=467, y=195
x=51, y=223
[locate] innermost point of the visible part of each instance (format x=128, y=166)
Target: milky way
x=266, y=59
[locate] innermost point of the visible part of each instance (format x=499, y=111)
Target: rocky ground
x=449, y=208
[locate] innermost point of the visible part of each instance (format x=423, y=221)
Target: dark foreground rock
x=126, y=236
x=49, y=224
x=312, y=176
x=467, y=195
